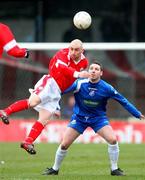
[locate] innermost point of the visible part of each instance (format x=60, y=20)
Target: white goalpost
x=87, y=46
x=54, y=46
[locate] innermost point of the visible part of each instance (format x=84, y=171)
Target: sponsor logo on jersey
x=91, y=103
x=92, y=91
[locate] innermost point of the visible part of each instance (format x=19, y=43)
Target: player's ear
x=101, y=73
x=83, y=50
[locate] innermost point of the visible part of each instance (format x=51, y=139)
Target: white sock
x=113, y=151
x=59, y=156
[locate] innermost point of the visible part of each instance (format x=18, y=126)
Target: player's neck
x=76, y=61
x=94, y=80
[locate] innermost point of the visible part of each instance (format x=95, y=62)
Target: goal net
x=124, y=68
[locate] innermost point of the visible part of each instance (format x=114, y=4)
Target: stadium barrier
x=126, y=132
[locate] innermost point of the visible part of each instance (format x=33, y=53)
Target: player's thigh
x=69, y=137
x=44, y=116
x=47, y=89
x=34, y=100
x=108, y=134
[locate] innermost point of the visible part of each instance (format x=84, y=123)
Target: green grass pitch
x=83, y=162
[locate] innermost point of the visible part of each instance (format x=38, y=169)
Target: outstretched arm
x=126, y=104
x=9, y=44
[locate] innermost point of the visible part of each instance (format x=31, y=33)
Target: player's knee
x=112, y=141
x=64, y=146
x=34, y=101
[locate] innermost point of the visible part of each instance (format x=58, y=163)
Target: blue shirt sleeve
x=124, y=102
x=71, y=88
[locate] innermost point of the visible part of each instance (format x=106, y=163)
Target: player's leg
x=69, y=137
x=24, y=104
x=108, y=134
x=38, y=126
x=45, y=99
x=19, y=106
x=74, y=129
x=13, y=108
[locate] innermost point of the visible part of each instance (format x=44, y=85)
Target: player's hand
x=84, y=74
x=27, y=53
x=142, y=117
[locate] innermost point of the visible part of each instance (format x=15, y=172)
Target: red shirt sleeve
x=6, y=34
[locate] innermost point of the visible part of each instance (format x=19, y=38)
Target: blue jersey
x=91, y=99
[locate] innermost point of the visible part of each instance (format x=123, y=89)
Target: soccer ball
x=82, y=20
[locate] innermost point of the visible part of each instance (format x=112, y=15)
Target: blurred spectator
x=68, y=109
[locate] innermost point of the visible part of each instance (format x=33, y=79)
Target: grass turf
x=83, y=162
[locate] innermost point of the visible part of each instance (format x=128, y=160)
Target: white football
x=82, y=20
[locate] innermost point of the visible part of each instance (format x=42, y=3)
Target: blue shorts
x=80, y=123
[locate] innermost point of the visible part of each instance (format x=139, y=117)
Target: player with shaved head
x=65, y=67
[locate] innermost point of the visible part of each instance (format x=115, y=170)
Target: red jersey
x=62, y=68
x=8, y=42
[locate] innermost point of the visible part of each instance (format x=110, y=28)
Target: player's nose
x=93, y=71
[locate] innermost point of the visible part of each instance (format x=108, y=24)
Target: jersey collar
x=82, y=57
